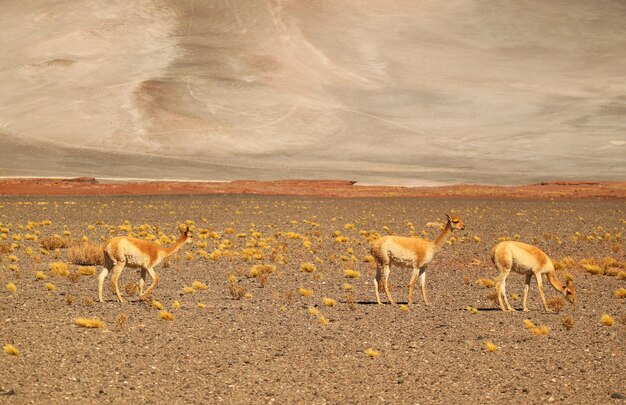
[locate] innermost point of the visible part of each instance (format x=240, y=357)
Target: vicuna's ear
x=448, y=216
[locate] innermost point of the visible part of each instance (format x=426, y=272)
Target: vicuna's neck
x=444, y=235
x=172, y=249
x=552, y=278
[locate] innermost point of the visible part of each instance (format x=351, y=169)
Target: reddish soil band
x=322, y=188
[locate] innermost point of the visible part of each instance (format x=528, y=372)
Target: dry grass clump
x=121, y=322
x=486, y=282
x=323, y=320
x=349, y=273
x=87, y=271
x=4, y=248
x=236, y=291
x=491, y=347
x=198, y=285
x=54, y=242
x=60, y=269
x=85, y=253
x=555, y=303
x=188, y=290
x=10, y=349
x=50, y=286
x=329, y=302
x=89, y=322
x=157, y=304
x=542, y=330
x=260, y=269
x=607, y=320
x=568, y=322
x=307, y=267
x=372, y=353
x=11, y=287
x=167, y=315
x=312, y=311
x=621, y=275
x=305, y=292
x=41, y=276
x=564, y=264
x=620, y=292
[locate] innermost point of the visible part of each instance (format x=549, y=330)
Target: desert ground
x=309, y=329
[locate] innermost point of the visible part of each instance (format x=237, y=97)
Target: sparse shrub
x=69, y=299
x=260, y=269
x=620, y=292
x=555, y=303
x=89, y=323
x=621, y=275
x=347, y=287
x=372, y=353
x=73, y=277
x=312, y=311
x=157, y=304
x=323, y=320
x=305, y=292
x=54, y=242
x=85, y=253
x=607, y=320
x=59, y=269
x=493, y=296
x=236, y=291
x=121, y=322
x=176, y=305
x=131, y=288
x=491, y=347
x=368, y=259
x=50, y=286
x=568, y=322
x=528, y=324
x=4, y=248
x=11, y=287
x=10, y=349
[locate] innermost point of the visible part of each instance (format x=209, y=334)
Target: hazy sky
x=396, y=92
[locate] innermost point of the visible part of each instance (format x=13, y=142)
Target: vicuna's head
x=455, y=222
x=569, y=291
x=185, y=233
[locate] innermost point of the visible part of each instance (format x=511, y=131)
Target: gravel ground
x=256, y=341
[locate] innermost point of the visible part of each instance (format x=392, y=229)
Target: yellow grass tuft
x=50, y=286
x=403, y=307
x=157, y=304
x=323, y=320
x=307, y=267
x=201, y=305
x=167, y=315
x=261, y=269
x=89, y=322
x=607, y=320
x=621, y=275
x=305, y=292
x=329, y=302
x=486, y=282
x=368, y=259
x=10, y=349
x=620, y=292
x=198, y=285
x=188, y=290
x=248, y=296
x=233, y=279
x=491, y=347
x=371, y=352
x=542, y=330
x=471, y=309
x=347, y=287
x=313, y=311
x=41, y=276
x=54, y=242
x=555, y=303
x=528, y=324
x=349, y=273
x=176, y=305
x=11, y=287
x=59, y=269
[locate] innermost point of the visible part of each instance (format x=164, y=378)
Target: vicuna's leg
x=412, y=283
x=526, y=288
x=501, y=290
x=117, y=271
x=386, y=271
x=142, y=281
x=377, y=281
x=101, y=278
x=155, y=281
x=423, y=283
x=543, y=297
